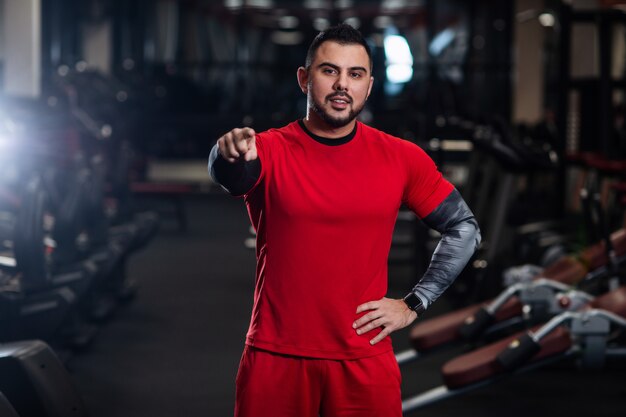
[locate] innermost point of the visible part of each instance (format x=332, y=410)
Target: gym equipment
x=58, y=250
x=439, y=331
x=537, y=297
x=585, y=334
x=503, y=188
x=40, y=314
x=35, y=382
x=6, y=409
x=42, y=211
x=539, y=300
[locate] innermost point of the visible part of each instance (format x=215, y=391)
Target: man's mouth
x=339, y=99
x=339, y=102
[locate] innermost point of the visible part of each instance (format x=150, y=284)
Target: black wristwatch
x=414, y=303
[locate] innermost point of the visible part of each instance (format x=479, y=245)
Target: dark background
x=164, y=79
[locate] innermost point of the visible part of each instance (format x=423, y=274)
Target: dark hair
x=343, y=34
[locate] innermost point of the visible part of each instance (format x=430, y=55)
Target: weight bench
x=583, y=334
x=464, y=324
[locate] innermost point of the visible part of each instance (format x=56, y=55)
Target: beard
x=335, y=122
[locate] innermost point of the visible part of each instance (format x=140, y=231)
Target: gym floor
x=174, y=351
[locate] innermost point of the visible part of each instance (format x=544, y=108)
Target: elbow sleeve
x=460, y=237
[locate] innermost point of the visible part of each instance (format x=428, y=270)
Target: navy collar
x=329, y=141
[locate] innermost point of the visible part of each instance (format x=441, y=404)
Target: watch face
x=413, y=301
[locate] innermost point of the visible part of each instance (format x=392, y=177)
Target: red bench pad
x=566, y=269
x=445, y=328
x=481, y=364
x=595, y=256
x=614, y=301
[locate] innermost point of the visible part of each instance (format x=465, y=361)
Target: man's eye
x=329, y=71
x=356, y=75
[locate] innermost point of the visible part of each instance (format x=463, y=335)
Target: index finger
x=248, y=132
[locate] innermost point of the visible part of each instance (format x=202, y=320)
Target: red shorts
x=275, y=385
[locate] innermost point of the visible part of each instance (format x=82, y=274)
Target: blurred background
x=126, y=275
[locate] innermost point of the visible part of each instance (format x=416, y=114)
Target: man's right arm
x=234, y=163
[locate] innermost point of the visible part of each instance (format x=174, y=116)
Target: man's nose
x=341, y=83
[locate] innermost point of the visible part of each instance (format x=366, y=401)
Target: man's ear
x=369, y=90
x=303, y=79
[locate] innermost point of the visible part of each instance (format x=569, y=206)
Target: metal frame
x=590, y=330
x=542, y=291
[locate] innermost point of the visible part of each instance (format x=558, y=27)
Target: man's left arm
x=460, y=237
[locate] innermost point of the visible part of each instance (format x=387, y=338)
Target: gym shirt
x=324, y=211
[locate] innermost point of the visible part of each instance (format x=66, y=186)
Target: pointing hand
x=238, y=145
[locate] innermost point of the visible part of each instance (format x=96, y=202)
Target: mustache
x=339, y=95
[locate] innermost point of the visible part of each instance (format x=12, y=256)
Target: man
x=323, y=194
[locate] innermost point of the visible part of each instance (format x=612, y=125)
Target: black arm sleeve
x=237, y=178
x=460, y=237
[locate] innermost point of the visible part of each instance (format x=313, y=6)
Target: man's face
x=337, y=83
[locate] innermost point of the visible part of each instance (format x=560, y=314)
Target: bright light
x=5, y=143
x=546, y=19
x=399, y=59
x=441, y=41
x=106, y=131
x=399, y=73
x=8, y=130
x=397, y=50
x=7, y=261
